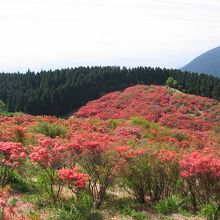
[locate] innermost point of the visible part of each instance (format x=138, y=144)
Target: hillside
x=145, y=153
x=156, y=103
x=208, y=62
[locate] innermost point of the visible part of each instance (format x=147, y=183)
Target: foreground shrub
x=99, y=158
x=48, y=157
x=12, y=155
x=73, y=178
x=152, y=174
x=201, y=172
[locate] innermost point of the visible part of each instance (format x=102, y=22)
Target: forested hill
x=61, y=91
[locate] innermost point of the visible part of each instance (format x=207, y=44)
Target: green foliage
x=33, y=215
x=1, y=214
x=169, y=205
x=180, y=136
x=210, y=211
x=134, y=214
x=8, y=114
x=172, y=83
x=2, y=106
x=50, y=129
x=79, y=208
x=140, y=121
x=19, y=183
x=95, y=216
x=153, y=178
x=217, y=129
x=112, y=124
x=39, y=200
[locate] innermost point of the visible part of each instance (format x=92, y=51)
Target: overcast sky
x=49, y=34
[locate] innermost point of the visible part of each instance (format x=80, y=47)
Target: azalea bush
x=48, y=157
x=101, y=161
x=153, y=175
x=201, y=172
x=12, y=156
x=73, y=178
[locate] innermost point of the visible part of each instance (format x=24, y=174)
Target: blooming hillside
x=155, y=144
x=156, y=103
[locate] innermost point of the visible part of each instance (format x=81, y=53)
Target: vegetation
x=125, y=154
x=2, y=106
x=63, y=91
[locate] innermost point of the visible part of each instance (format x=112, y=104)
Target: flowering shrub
x=201, y=171
x=20, y=134
x=200, y=164
x=152, y=140
x=156, y=103
x=101, y=161
x=11, y=157
x=152, y=174
x=49, y=156
x=128, y=131
x=73, y=178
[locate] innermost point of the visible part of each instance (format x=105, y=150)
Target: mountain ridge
x=208, y=62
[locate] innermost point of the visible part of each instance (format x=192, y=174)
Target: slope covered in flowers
x=152, y=142
x=156, y=103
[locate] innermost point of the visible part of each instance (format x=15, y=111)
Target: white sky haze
x=50, y=34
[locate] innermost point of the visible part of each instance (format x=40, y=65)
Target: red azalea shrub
x=11, y=157
x=164, y=172
x=100, y=160
x=73, y=178
x=128, y=152
x=128, y=131
x=49, y=155
x=17, y=128
x=183, y=121
x=201, y=172
x=200, y=164
x=152, y=174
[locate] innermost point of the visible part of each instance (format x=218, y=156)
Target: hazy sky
x=44, y=34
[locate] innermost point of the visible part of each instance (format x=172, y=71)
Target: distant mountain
x=208, y=62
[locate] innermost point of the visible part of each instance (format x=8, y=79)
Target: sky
x=52, y=34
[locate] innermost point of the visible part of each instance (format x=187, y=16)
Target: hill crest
x=156, y=103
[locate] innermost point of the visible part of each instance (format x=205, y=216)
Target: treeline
x=61, y=91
